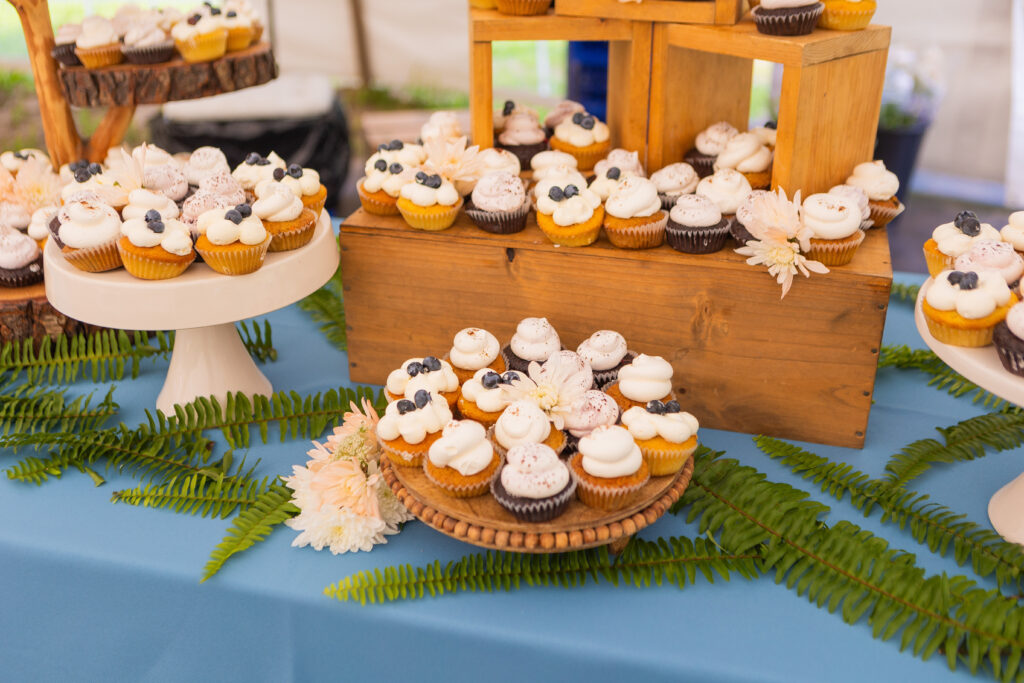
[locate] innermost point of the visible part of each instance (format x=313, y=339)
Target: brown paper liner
x=375, y=203
x=146, y=268
x=523, y=7
x=94, y=259
x=787, y=23
x=233, y=259
x=602, y=494
x=152, y=54
x=65, y=54
x=847, y=19
x=288, y=235
x=533, y=509
x=663, y=457
x=645, y=236
x=29, y=274
x=882, y=213
x=431, y=218
x=935, y=259
x=1010, y=348
x=499, y=222
x=99, y=57
x=835, y=252
x=697, y=240
x=204, y=47
x=453, y=483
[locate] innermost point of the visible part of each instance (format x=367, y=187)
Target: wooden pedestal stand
x=677, y=11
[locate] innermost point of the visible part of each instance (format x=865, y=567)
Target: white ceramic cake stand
x=982, y=366
x=202, y=307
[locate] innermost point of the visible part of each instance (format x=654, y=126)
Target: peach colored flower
x=344, y=484
x=36, y=186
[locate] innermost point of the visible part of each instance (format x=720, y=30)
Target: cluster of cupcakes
x=535, y=425
x=799, y=17
x=154, y=36
x=29, y=190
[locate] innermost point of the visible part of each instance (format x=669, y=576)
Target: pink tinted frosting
x=201, y=202
x=168, y=180
x=499, y=192
x=223, y=184
x=591, y=410
x=992, y=255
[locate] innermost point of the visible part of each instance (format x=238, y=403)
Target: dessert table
x=94, y=591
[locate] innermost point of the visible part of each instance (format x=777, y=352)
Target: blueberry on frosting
x=280, y=172
x=431, y=363
x=194, y=19
x=614, y=173
x=294, y=170
x=395, y=145
x=82, y=175
x=95, y=169
x=244, y=209
x=556, y=194
x=231, y=14
x=152, y=215
x=491, y=380
x=510, y=376
x=570, y=191
x=963, y=280
x=380, y=165
x=156, y=226
x=234, y=215
x=587, y=123
x=395, y=168
x=509, y=107
x=656, y=407
x=252, y=158
x=421, y=398
x=405, y=406
x=414, y=368
x=673, y=407
x=577, y=118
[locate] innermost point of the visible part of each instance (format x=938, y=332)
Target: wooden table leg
x=110, y=132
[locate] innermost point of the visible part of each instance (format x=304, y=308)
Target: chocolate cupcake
x=738, y=225
x=787, y=17
x=535, y=340
x=606, y=353
x=1008, y=338
x=673, y=181
x=533, y=485
x=522, y=136
x=709, y=144
x=64, y=48
x=499, y=204
x=592, y=409
x=696, y=226
x=21, y=261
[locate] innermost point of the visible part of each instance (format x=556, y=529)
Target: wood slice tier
x=483, y=522
x=134, y=84
x=26, y=314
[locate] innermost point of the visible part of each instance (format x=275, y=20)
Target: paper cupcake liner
x=467, y=490
x=239, y=38
x=647, y=236
x=935, y=259
x=374, y=205
x=523, y=7
x=579, y=235
x=23, y=277
x=586, y=157
x=146, y=268
x=257, y=31
x=65, y=54
x=603, y=497
x=240, y=262
x=739, y=232
x=499, y=222
x=502, y=451
x=315, y=202
x=401, y=457
x=835, y=252
x=846, y=19
x=432, y=221
x=524, y=152
x=697, y=240
x=99, y=57
x=204, y=47
x=151, y=54
x=703, y=164
x=956, y=336
x=662, y=462
x=667, y=200
x=55, y=232
x=605, y=377
x=94, y=259
x=533, y=510
x=882, y=215
x=1010, y=349
x=482, y=4
x=292, y=239
x=789, y=22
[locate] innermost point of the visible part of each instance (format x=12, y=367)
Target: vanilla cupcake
x=155, y=246
x=746, y=153
x=535, y=340
x=21, y=261
x=1013, y=231
x=522, y=136
x=606, y=353
x=709, y=144
x=647, y=378
x=255, y=169
x=963, y=308
x=666, y=435
x=609, y=469
x=858, y=197
x=584, y=137
x=496, y=160
x=673, y=182
x=380, y=188
x=232, y=242
x=142, y=201
x=87, y=234
x=522, y=422
x=430, y=373
x=202, y=37
x=950, y=240
x=499, y=204
x=1000, y=257
x=462, y=462
x=533, y=485
x=881, y=187
x=483, y=397
x=429, y=202
x=39, y=225
x=14, y=161
x=409, y=427
x=98, y=45
x=542, y=163
x=556, y=176
x=835, y=224
x=241, y=31
x=696, y=226
x=304, y=183
x=474, y=349
x=605, y=182
x=627, y=162
x=633, y=217
x=561, y=111
x=727, y=188
x=570, y=216
x=290, y=224
x=405, y=153
x=91, y=177
x=205, y=162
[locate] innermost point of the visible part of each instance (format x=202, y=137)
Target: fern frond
x=326, y=307
x=674, y=561
x=28, y=410
x=931, y=524
x=903, y=292
x=196, y=494
x=252, y=525
x=258, y=341
x=965, y=440
x=943, y=377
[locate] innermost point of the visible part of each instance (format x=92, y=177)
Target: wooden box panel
x=800, y=368
x=671, y=11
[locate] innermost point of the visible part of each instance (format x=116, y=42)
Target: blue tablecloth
x=97, y=592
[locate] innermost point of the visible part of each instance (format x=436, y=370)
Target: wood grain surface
x=26, y=314
x=678, y=11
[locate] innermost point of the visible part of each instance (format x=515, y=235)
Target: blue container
x=588, y=75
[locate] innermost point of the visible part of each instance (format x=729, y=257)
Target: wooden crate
x=802, y=367
x=629, y=67
x=828, y=113
x=672, y=11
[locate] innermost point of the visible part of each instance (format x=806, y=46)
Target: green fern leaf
x=942, y=376
x=327, y=308
x=28, y=410
x=196, y=494
x=258, y=341
x=905, y=293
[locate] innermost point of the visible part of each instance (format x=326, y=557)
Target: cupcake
x=14, y=161
x=155, y=247
x=21, y=261
x=606, y=353
x=950, y=240
x=205, y=162
x=290, y=224
x=666, y=435
x=97, y=45
x=430, y=373
x=727, y=189
x=202, y=202
x=847, y=15
x=441, y=126
x=609, y=469
x=522, y=422
x=64, y=44
x=555, y=176
x=533, y=485
x=535, y=340
x=429, y=202
x=482, y=397
x=522, y=136
x=590, y=410
x=380, y=187
x=523, y=7
x=787, y=17
x=605, y=182
x=746, y=153
x=569, y=216
x=499, y=204
x=767, y=134
x=13, y=214
x=561, y=111
x=304, y=183
x=646, y=379
x=1008, y=338
x=858, y=197
x=201, y=38
x=673, y=182
x=881, y=187
x=1013, y=231
x=241, y=32
x=409, y=427
x=835, y=224
x=1000, y=257
x=232, y=242
x=627, y=162
x=584, y=137
x=542, y=164
x=474, y=349
x=633, y=218
x=508, y=109
x=167, y=179
x=147, y=43
x=496, y=160
x=696, y=226
x=709, y=144
x=245, y=8
x=222, y=184
x=462, y=462
x=405, y=153
x=256, y=168
x=39, y=225
x=142, y=201
x=963, y=308
x=738, y=226
x=88, y=232
x=92, y=178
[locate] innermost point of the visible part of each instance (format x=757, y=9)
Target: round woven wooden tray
x=481, y=521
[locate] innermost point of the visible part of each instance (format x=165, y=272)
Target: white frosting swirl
x=1015, y=320
x=859, y=198
x=676, y=179
x=414, y=425
x=392, y=183
x=563, y=110
x=305, y=185
x=590, y=410
x=673, y=427
x=1013, y=231
x=972, y=304
x=622, y=159
x=463, y=446
x=17, y=250
x=576, y=209
x=39, y=226
x=603, y=186
x=712, y=140
x=250, y=175
x=609, y=452
x=473, y=349
x=647, y=378
x=988, y=255
x=96, y=32
x=499, y=192
x=786, y=4
x=542, y=161
x=521, y=128
x=144, y=35
x=695, y=211
x=489, y=400
x=603, y=350
x=726, y=188
x=205, y=161
x=953, y=242
x=67, y=33
x=219, y=230
x=175, y=238
x=88, y=223
x=745, y=153
x=224, y=184
x=167, y=179
x=401, y=383
x=442, y=125
x=496, y=160
x=872, y=177
x=533, y=471
x=535, y=339
x=278, y=206
x=559, y=176
x=14, y=215
x=522, y=422
x=578, y=136
x=635, y=197
x=766, y=135
x=421, y=195
x=140, y=201
x=830, y=216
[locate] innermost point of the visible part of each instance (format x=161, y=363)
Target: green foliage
x=931, y=524
x=905, y=293
x=675, y=561
x=965, y=440
x=326, y=307
x=196, y=494
x=271, y=508
x=258, y=341
x=942, y=376
x=28, y=410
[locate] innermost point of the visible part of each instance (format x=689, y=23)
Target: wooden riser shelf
x=674, y=11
